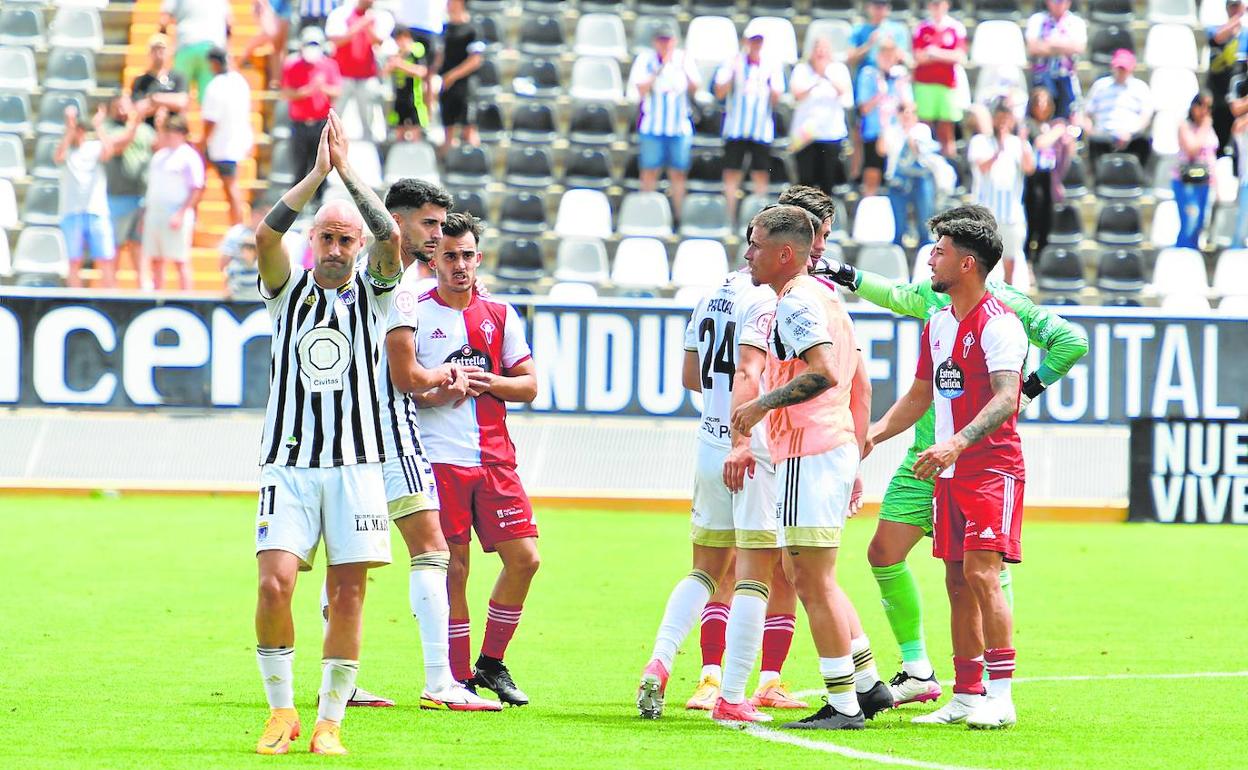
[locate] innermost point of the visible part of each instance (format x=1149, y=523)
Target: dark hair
x=814, y=200
x=792, y=223
x=1201, y=97
x=412, y=193
x=461, y=223
x=966, y=211
x=975, y=237
x=177, y=123
x=1033, y=101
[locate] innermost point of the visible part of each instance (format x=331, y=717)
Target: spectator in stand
x=751, y=85
x=1239, y=133
x=462, y=56
x=83, y=200
x=664, y=79
x=1224, y=56
x=823, y=90
x=356, y=31
x=1119, y=110
x=161, y=87
x=1053, y=140
x=939, y=48
x=427, y=21
x=1198, y=149
x=999, y=163
x=310, y=84
x=881, y=88
x=408, y=74
x=238, y=258
x=864, y=40
x=1055, y=37
x=201, y=25
x=313, y=13
x=273, y=18
x=913, y=155
x=126, y=171
x=175, y=183
x=228, y=137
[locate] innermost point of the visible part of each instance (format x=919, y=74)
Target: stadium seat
x=1230, y=275
x=415, y=159
x=873, y=221
x=12, y=157
x=1120, y=270
x=44, y=166
x=592, y=123
x=588, y=167
x=1165, y=131
x=280, y=128
x=42, y=205
x=52, y=110
x=485, y=80
x=41, y=250
x=922, y=271
x=489, y=31
x=14, y=113
x=713, y=7
x=995, y=81
x=1074, y=182
x=529, y=167
x=886, y=259
x=595, y=78
x=1164, y=230
x=582, y=259
x=1118, y=224
x=601, y=34
x=834, y=9
x=999, y=43
x=632, y=173
x=1170, y=45
x=585, y=213
x=17, y=69
x=1060, y=269
x=573, y=293
x=1173, y=89
x=998, y=10
x=472, y=202
x=281, y=165
x=520, y=260
x=1180, y=271
x=705, y=216
x=489, y=6
x=706, y=172
x=779, y=179
x=1173, y=12
x=1226, y=186
x=711, y=40
x=70, y=68
x=645, y=25
x=538, y=79
x=541, y=35
x=1120, y=300
x=76, y=27
x=640, y=263
x=6, y=259
x=748, y=209
x=1186, y=304
x=490, y=122
x=1108, y=39
x=699, y=262
x=690, y=296
x=468, y=166
x=533, y=123
x=781, y=39
x=8, y=209
x=840, y=222
x=835, y=31
x=645, y=213
x=708, y=127
x=1222, y=232
x=1119, y=175
x=21, y=24
x=1111, y=11
x=523, y=214
x=1212, y=13
x=1234, y=305
x=365, y=160
x=557, y=7
x=1067, y=225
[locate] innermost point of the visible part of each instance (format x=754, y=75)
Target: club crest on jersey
x=262, y=531
x=967, y=342
x=487, y=328
x=405, y=301
x=347, y=296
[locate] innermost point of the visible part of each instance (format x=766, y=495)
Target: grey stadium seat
x=520, y=260
x=70, y=68
x=12, y=157
x=523, y=213
x=76, y=27
x=529, y=167
x=541, y=35
x=45, y=157
x=22, y=24
x=42, y=205
x=468, y=166
x=705, y=215
x=17, y=69
x=14, y=113
x=52, y=110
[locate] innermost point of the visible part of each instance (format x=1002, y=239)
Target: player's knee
x=879, y=554
x=347, y=597
x=525, y=563
x=276, y=590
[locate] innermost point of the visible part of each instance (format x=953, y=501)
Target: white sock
x=432, y=610
x=324, y=607
x=999, y=688
x=767, y=677
x=865, y=672
x=838, y=676
x=276, y=664
x=683, y=607
x=743, y=638
x=713, y=671
x=337, y=685
x=919, y=669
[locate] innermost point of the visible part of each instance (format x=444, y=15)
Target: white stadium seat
x=1180, y=271
x=584, y=213
x=780, y=39
x=645, y=213
x=998, y=42
x=1170, y=45
x=573, y=293
x=873, y=221
x=711, y=40
x=699, y=262
x=640, y=263
x=1165, y=228
x=1230, y=275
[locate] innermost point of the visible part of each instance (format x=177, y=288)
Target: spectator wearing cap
x=823, y=90
x=227, y=127
x=161, y=87
x=200, y=25
x=83, y=200
x=751, y=85
x=175, y=183
x=1119, y=109
x=664, y=79
x=1055, y=37
x=864, y=39
x=881, y=88
x=939, y=48
x=356, y=32
x=463, y=55
x=1000, y=161
x=126, y=172
x=1224, y=56
x=310, y=84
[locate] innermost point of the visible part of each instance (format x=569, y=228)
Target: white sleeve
x=979, y=149
x=801, y=78
x=383, y=24
x=212, y=106
x=801, y=323
x=1005, y=343
x=634, y=76
x=844, y=83
x=777, y=79
x=515, y=346
x=336, y=21
x=754, y=319
x=691, y=331
x=1078, y=30
x=691, y=68
x=1034, y=24
x=403, y=309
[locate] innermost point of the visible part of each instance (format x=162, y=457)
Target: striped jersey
x=324, y=408
x=488, y=334
x=737, y=313
x=958, y=357
x=400, y=433
x=1118, y=108
x=1001, y=188
x=748, y=112
x=665, y=108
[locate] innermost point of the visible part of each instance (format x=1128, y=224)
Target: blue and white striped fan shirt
x=748, y=113
x=1000, y=189
x=665, y=109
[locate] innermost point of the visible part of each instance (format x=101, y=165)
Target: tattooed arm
x=383, y=257
x=1004, y=402
x=817, y=378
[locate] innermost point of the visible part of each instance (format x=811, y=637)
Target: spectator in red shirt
x=310, y=83
x=356, y=31
x=939, y=47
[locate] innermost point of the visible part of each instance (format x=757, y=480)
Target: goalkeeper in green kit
x=906, y=513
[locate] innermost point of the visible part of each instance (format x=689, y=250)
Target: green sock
x=1007, y=587
x=900, y=596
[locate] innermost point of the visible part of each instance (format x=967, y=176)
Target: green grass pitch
x=127, y=642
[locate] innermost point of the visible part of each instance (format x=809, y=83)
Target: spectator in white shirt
x=175, y=183
x=1000, y=163
x=227, y=127
x=83, y=200
x=823, y=90
x=1119, y=108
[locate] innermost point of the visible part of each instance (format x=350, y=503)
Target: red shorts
x=980, y=512
x=487, y=498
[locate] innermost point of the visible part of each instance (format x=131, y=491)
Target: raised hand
x=337, y=142
x=323, y=163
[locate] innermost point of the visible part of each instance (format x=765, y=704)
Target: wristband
x=1033, y=386
x=280, y=217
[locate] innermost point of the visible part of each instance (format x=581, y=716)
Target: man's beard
x=940, y=286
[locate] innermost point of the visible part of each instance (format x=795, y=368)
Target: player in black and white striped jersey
x=322, y=447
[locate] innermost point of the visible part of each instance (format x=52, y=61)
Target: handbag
x=1194, y=173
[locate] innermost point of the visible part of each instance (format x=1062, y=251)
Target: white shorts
x=345, y=505
x=161, y=240
x=722, y=519
x=409, y=485
x=812, y=496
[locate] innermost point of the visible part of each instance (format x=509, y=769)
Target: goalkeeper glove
x=1032, y=387
x=839, y=272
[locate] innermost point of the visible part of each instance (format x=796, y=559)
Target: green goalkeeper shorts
x=908, y=500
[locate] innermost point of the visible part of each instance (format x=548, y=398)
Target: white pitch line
x=1091, y=678
x=775, y=736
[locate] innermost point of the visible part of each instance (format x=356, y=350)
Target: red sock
x=500, y=625
x=968, y=676
x=1000, y=662
x=714, y=628
x=461, y=649
x=777, y=638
